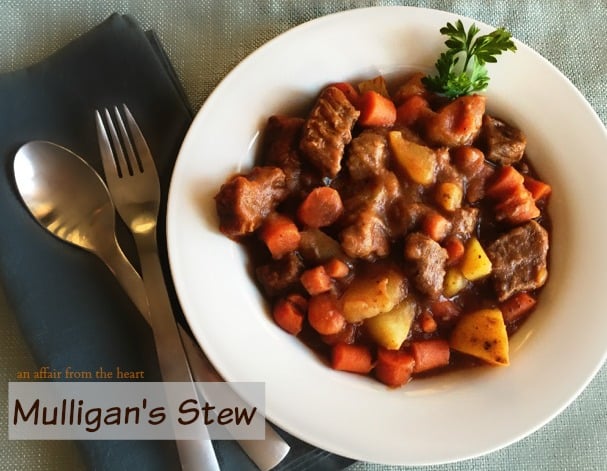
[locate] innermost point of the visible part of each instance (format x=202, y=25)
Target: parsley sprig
x=461, y=69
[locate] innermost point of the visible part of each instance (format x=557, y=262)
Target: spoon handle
x=127, y=276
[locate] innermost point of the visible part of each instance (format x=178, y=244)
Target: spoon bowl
x=69, y=199
x=65, y=195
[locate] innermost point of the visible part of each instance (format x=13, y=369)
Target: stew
x=396, y=232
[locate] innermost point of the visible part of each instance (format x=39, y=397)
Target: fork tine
x=110, y=166
x=145, y=156
x=123, y=167
x=133, y=161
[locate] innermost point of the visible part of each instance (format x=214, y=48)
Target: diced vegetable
x=436, y=226
x=458, y=123
x=505, y=181
x=454, y=282
x=370, y=294
x=376, y=110
x=427, y=322
x=412, y=86
x=445, y=310
x=280, y=235
x=430, y=354
x=455, y=250
x=376, y=84
x=394, y=367
x=538, y=189
x=419, y=162
x=482, y=334
x=321, y=207
x=515, y=203
x=336, y=268
x=517, y=210
x=468, y=159
x=317, y=247
x=449, y=196
x=517, y=306
x=475, y=264
x=390, y=329
x=289, y=313
x=412, y=110
x=316, y=280
x=324, y=314
x=349, y=90
x=352, y=358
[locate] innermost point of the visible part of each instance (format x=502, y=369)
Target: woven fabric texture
x=204, y=40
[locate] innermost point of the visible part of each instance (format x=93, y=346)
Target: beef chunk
x=505, y=144
x=366, y=234
x=464, y=221
x=429, y=260
x=245, y=200
x=368, y=155
x=458, y=123
x=279, y=275
x=280, y=146
x=519, y=260
x=328, y=130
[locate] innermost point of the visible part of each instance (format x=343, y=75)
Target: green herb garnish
x=461, y=69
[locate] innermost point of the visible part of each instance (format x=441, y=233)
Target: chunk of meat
x=457, y=123
x=429, y=260
x=463, y=222
x=519, y=260
x=367, y=154
x=279, y=275
x=505, y=144
x=244, y=201
x=280, y=146
x=366, y=233
x=328, y=130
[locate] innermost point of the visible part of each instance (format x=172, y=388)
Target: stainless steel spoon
x=48, y=177
x=69, y=199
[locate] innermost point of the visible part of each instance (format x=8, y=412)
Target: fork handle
x=193, y=454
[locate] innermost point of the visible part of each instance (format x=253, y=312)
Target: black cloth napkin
x=71, y=310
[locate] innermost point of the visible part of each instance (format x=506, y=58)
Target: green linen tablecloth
x=205, y=39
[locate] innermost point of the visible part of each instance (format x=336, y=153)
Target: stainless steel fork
x=133, y=182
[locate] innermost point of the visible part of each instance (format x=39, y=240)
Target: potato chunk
x=475, y=264
x=372, y=293
x=454, y=282
x=419, y=162
x=390, y=329
x=482, y=334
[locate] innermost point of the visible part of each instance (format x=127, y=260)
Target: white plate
x=449, y=417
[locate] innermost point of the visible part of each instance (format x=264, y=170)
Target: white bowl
x=444, y=418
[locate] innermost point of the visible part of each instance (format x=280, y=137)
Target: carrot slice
x=455, y=250
x=351, y=357
x=280, y=235
x=322, y=207
x=517, y=306
x=538, y=189
x=430, y=354
x=336, y=268
x=436, y=226
x=324, y=314
x=350, y=91
x=411, y=110
x=376, y=110
x=505, y=181
x=393, y=367
x=289, y=312
x=316, y=280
